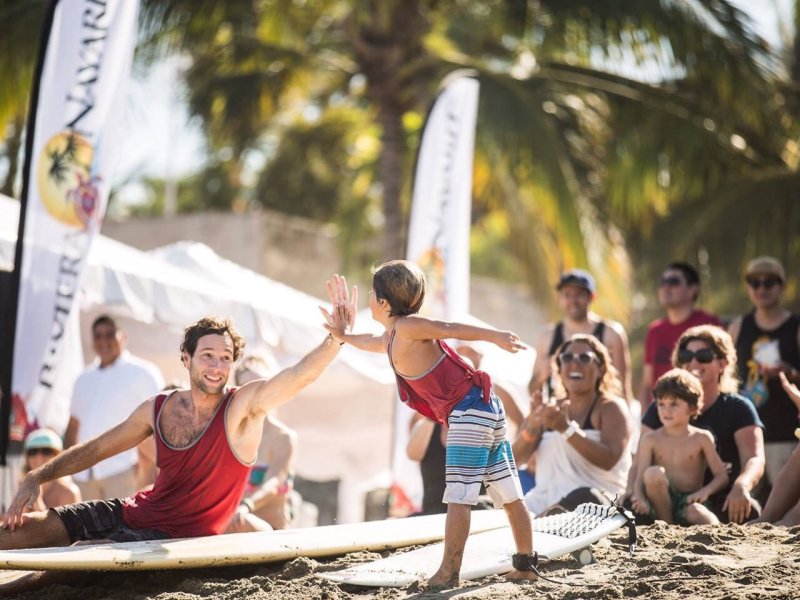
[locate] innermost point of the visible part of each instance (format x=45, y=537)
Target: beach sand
x=714, y=562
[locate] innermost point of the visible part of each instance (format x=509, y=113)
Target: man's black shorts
x=102, y=520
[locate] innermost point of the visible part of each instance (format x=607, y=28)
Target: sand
x=714, y=562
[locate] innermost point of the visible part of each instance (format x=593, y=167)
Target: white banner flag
x=438, y=237
x=86, y=67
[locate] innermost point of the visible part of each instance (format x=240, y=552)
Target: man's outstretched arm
x=137, y=427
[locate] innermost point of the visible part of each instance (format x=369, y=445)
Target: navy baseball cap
x=579, y=278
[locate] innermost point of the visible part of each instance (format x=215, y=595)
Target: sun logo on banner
x=66, y=184
x=432, y=264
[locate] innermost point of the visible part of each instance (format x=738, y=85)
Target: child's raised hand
x=509, y=341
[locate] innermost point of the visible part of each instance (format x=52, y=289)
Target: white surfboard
x=489, y=553
x=242, y=548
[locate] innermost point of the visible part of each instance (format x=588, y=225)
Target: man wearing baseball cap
x=576, y=289
x=768, y=343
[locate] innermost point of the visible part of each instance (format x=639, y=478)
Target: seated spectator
x=673, y=459
x=426, y=445
x=767, y=341
x=269, y=496
x=582, y=438
x=40, y=446
x=783, y=505
x=708, y=353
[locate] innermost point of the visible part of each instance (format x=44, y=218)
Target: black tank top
x=432, y=469
x=778, y=413
x=558, y=335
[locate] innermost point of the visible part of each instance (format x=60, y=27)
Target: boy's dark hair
x=105, y=320
x=402, y=284
x=211, y=326
x=680, y=383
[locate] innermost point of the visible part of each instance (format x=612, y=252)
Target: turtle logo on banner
x=67, y=187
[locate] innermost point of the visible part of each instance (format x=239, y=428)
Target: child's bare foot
x=443, y=580
x=521, y=576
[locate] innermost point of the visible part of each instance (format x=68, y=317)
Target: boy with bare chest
x=672, y=460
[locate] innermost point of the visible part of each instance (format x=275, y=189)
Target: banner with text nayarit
x=76, y=116
x=439, y=229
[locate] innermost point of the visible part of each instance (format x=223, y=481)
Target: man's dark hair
x=105, y=320
x=212, y=326
x=690, y=274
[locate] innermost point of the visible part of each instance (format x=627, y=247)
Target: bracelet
x=571, y=430
x=526, y=435
x=251, y=507
x=331, y=338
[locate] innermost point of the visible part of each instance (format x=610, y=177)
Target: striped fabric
x=478, y=452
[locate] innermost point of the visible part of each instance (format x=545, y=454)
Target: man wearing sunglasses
x=576, y=290
x=678, y=290
x=768, y=343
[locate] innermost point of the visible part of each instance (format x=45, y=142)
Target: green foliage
x=610, y=132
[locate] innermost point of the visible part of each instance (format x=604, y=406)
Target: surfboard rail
x=244, y=548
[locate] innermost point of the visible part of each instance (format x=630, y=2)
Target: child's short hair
x=402, y=284
x=680, y=383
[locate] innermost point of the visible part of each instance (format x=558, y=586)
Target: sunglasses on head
x=703, y=356
x=582, y=357
x=767, y=282
x=671, y=281
x=43, y=451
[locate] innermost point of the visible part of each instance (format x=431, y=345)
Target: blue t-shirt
x=729, y=414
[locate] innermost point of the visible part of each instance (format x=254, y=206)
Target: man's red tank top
x=436, y=392
x=198, y=488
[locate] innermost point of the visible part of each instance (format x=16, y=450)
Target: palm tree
x=575, y=142
x=21, y=22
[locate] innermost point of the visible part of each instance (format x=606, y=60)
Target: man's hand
x=344, y=307
x=791, y=389
x=25, y=500
x=737, y=504
x=508, y=341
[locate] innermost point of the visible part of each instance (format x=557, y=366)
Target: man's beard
x=202, y=385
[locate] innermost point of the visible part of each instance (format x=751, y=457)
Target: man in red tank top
x=193, y=495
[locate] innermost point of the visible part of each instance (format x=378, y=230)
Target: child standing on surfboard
x=435, y=381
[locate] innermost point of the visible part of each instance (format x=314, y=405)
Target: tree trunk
x=392, y=174
x=13, y=143
x=387, y=39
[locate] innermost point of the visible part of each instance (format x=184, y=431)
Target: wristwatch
x=571, y=430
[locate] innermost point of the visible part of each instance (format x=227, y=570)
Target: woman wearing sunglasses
x=708, y=353
x=40, y=446
x=581, y=440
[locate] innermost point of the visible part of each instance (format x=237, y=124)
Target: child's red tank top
x=198, y=487
x=435, y=392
